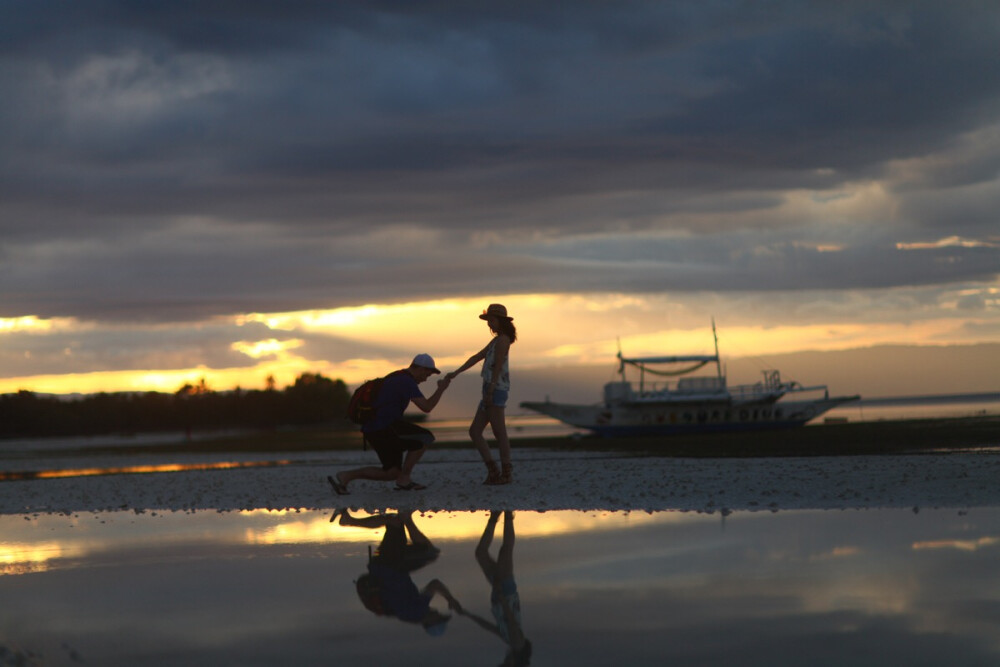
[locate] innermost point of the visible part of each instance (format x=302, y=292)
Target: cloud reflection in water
x=823, y=587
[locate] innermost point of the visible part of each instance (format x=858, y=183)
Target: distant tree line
x=311, y=400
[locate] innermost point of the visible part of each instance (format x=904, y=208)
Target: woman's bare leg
x=505, y=559
x=499, y=425
x=486, y=563
x=476, y=430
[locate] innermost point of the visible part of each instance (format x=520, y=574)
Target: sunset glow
x=31, y=323
x=31, y=557
x=459, y=526
x=554, y=329
x=959, y=545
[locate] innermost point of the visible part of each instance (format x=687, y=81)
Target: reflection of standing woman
x=496, y=388
x=505, y=602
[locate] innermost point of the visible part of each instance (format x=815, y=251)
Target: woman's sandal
x=497, y=476
x=492, y=473
x=507, y=474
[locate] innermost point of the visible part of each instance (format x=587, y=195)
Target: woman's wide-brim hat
x=496, y=310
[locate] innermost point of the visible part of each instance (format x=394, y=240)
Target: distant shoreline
x=932, y=399
x=901, y=436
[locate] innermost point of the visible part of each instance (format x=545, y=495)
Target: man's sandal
x=412, y=486
x=339, y=487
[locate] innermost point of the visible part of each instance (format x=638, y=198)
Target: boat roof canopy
x=668, y=360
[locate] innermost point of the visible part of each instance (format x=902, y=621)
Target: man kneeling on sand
x=398, y=443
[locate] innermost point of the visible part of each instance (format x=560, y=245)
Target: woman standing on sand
x=496, y=389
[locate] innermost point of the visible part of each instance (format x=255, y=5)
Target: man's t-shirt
x=392, y=399
x=400, y=596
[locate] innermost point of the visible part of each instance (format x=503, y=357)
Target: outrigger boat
x=697, y=404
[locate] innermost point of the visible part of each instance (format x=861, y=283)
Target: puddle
x=874, y=587
x=100, y=471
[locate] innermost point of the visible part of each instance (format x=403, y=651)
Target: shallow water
x=870, y=587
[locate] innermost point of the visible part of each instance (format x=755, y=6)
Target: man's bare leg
x=416, y=535
x=373, y=473
x=412, y=456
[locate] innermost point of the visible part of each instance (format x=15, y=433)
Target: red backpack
x=370, y=592
x=361, y=407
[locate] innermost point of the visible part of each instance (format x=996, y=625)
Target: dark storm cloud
x=298, y=132
x=744, y=261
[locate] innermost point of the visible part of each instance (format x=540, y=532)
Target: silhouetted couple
x=400, y=444
x=387, y=588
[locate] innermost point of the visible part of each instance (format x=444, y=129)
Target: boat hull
x=672, y=418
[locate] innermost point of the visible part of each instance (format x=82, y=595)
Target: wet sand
x=543, y=480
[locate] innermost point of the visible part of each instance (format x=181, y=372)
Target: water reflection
x=387, y=588
x=505, y=602
x=262, y=588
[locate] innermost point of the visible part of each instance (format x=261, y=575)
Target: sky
x=232, y=190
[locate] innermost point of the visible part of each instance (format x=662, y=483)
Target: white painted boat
x=693, y=404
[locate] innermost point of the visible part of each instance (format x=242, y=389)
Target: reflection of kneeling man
x=390, y=435
x=388, y=589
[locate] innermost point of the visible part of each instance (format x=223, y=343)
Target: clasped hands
x=446, y=380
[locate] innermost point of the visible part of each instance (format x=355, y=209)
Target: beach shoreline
x=919, y=463
x=823, y=439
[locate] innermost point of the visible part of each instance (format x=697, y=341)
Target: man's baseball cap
x=424, y=360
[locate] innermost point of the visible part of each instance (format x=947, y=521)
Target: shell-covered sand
x=543, y=480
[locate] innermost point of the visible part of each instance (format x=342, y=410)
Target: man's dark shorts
x=401, y=436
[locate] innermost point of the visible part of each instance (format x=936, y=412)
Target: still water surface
x=871, y=587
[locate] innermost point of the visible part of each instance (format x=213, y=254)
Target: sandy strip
x=543, y=481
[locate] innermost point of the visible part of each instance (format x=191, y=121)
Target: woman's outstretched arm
x=472, y=361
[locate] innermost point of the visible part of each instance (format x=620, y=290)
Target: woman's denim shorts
x=499, y=396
